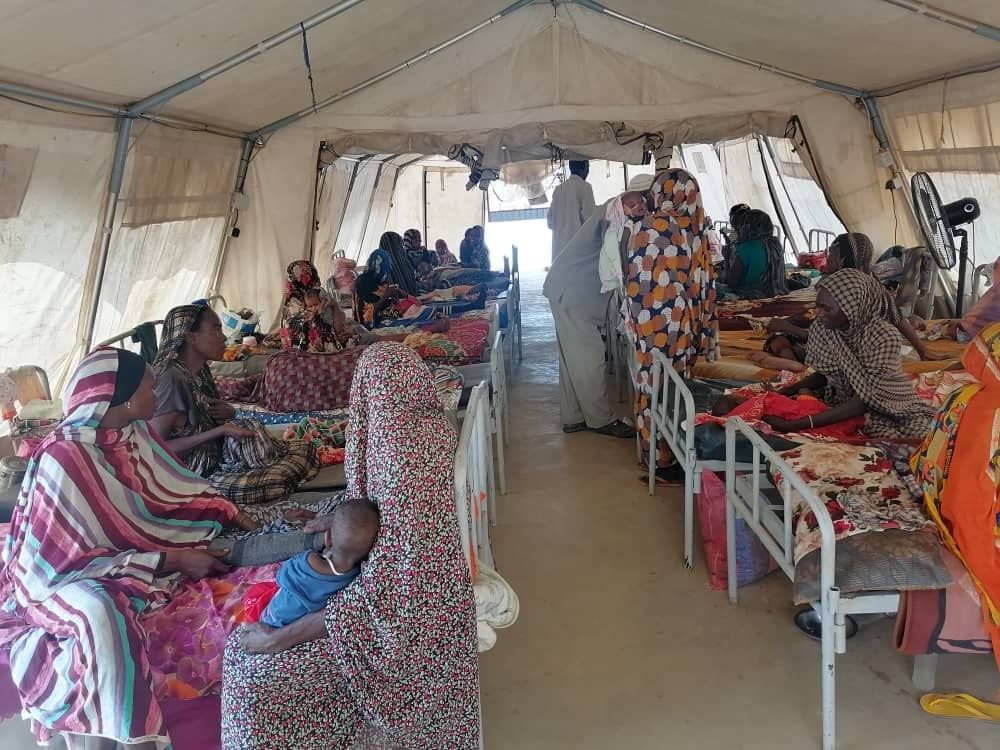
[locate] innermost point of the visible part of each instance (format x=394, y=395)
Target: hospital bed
x=769, y=513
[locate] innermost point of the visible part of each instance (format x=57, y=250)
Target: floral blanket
x=862, y=490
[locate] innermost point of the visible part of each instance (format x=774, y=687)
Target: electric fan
x=939, y=223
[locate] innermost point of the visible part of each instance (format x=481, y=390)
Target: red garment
x=257, y=598
x=754, y=409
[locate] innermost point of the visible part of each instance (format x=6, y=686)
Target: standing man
x=572, y=204
x=579, y=309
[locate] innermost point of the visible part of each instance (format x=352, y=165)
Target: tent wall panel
x=275, y=227
x=352, y=228
x=451, y=209
x=330, y=204
x=45, y=249
x=407, y=209
x=378, y=211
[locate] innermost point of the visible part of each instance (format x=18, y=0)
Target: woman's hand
x=782, y=425
x=257, y=638
x=233, y=430
x=221, y=411
x=299, y=515
x=243, y=521
x=778, y=325
x=195, y=563
x=928, y=356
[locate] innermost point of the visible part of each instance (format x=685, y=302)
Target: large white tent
x=126, y=128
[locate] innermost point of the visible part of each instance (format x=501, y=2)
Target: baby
x=313, y=301
x=306, y=581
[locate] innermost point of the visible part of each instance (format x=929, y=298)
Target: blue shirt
x=301, y=590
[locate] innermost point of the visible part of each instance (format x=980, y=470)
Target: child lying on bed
x=786, y=413
x=306, y=581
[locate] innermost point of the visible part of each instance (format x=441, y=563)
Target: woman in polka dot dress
x=391, y=662
x=671, y=290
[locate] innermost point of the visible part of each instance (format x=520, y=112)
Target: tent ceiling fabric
x=120, y=51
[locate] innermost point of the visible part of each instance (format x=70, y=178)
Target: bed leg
x=924, y=670
x=689, y=520
x=829, y=616
x=731, y=550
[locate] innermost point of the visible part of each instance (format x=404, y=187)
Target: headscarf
x=400, y=269
x=862, y=360
x=302, y=276
x=96, y=508
x=413, y=246
x=445, y=257
x=473, y=251
x=407, y=626
x=179, y=322
x=987, y=310
x=379, y=266
x=756, y=225
x=856, y=251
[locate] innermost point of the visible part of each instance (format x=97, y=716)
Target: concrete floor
x=618, y=646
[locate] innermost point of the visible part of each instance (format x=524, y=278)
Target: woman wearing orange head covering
x=671, y=290
x=959, y=466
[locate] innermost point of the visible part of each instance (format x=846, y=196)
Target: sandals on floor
x=960, y=706
x=617, y=429
x=668, y=476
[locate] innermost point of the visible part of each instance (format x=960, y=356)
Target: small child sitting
x=305, y=582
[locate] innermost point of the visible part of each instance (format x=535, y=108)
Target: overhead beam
x=952, y=19
x=164, y=95
x=791, y=75
x=30, y=92
x=367, y=83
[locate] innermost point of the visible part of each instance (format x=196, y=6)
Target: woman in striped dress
x=106, y=522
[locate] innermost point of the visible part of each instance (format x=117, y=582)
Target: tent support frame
x=943, y=16
x=165, y=95
x=368, y=82
x=110, y=209
x=246, y=154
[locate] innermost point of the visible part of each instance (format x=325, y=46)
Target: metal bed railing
x=673, y=414
x=820, y=239
x=121, y=338
x=772, y=523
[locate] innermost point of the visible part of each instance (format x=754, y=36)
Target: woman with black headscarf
x=757, y=268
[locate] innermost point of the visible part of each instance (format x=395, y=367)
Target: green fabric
x=753, y=256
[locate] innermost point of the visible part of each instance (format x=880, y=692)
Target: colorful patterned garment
x=399, y=668
x=311, y=320
x=862, y=361
x=464, y=343
x=670, y=290
x=861, y=491
x=959, y=468
x=327, y=436
x=770, y=404
x=246, y=470
x=413, y=246
x=96, y=509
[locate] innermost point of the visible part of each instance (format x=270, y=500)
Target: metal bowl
x=809, y=622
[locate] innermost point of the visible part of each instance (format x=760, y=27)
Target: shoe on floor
x=569, y=429
x=618, y=429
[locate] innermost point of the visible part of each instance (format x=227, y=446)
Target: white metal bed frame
x=475, y=497
x=772, y=524
x=673, y=411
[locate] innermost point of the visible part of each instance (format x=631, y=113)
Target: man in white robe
x=572, y=204
x=579, y=309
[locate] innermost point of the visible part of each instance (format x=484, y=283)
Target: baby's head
x=312, y=298
x=352, y=533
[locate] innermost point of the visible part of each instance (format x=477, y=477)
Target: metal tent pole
x=296, y=116
x=241, y=178
x=30, y=92
x=164, y=95
x=110, y=209
x=944, y=16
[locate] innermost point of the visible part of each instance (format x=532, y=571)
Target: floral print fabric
x=860, y=488
x=399, y=667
